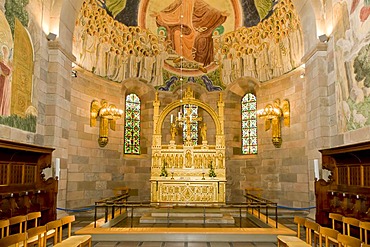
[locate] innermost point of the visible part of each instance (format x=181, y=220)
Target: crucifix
x=187, y=120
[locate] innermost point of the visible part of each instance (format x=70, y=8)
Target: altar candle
x=172, y=169
x=171, y=118
x=179, y=115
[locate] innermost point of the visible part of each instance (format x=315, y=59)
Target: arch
x=178, y=103
x=138, y=87
x=243, y=85
x=62, y=20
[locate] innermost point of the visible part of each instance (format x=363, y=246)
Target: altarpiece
x=196, y=172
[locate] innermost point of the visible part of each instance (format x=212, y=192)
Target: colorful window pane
x=132, y=125
x=192, y=112
x=249, y=124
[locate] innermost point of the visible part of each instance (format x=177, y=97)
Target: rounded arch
x=178, y=103
x=138, y=87
x=311, y=14
x=244, y=85
x=63, y=15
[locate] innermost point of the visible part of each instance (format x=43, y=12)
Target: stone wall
x=281, y=173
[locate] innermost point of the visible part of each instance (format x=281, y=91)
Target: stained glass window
x=132, y=125
x=249, y=124
x=192, y=112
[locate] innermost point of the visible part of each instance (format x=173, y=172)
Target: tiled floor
x=180, y=244
x=83, y=221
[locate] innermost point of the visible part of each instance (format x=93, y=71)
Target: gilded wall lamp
x=274, y=114
x=108, y=115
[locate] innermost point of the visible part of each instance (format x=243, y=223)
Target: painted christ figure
x=195, y=20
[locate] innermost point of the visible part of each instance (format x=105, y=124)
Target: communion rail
x=254, y=206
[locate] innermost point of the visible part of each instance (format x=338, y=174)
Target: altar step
x=186, y=216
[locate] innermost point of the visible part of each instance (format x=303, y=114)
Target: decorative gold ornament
x=273, y=114
x=188, y=179
x=108, y=115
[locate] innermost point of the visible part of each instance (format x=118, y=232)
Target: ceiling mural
x=168, y=42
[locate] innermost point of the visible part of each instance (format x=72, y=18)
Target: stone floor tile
x=128, y=244
x=242, y=244
x=220, y=244
x=174, y=244
x=265, y=244
x=105, y=244
x=198, y=244
x=151, y=244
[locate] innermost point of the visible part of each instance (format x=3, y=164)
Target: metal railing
x=111, y=203
x=253, y=204
x=261, y=203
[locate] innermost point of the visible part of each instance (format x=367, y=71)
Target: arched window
x=132, y=125
x=249, y=124
x=192, y=112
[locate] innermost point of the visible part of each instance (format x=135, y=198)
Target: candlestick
x=171, y=118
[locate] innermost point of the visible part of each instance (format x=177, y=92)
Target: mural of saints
x=209, y=42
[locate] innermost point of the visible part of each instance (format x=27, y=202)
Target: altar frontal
x=188, y=170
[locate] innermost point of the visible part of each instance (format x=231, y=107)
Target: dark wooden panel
x=23, y=188
x=348, y=190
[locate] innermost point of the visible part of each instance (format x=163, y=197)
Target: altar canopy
x=187, y=171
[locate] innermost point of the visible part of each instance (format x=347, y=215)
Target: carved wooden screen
x=342, y=175
x=355, y=175
x=17, y=173
x=367, y=176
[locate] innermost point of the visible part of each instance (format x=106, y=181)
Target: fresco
x=16, y=68
x=211, y=43
x=352, y=63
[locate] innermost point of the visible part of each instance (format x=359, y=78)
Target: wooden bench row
x=39, y=235
x=351, y=226
x=19, y=224
x=325, y=236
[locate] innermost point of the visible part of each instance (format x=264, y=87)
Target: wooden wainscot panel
x=23, y=187
x=347, y=191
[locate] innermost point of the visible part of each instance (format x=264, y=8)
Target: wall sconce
x=108, y=115
x=273, y=114
x=51, y=36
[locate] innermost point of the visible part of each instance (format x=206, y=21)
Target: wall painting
x=211, y=43
x=352, y=63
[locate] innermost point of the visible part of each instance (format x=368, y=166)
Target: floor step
x=186, y=219
x=184, y=215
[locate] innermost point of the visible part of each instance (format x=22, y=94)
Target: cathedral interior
x=184, y=100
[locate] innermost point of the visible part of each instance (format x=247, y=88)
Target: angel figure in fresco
x=195, y=20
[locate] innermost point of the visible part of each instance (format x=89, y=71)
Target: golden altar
x=188, y=172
